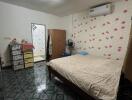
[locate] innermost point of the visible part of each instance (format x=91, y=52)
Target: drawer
x=18, y=67
x=28, y=55
x=29, y=60
x=19, y=62
x=16, y=52
x=29, y=65
x=18, y=57
x=15, y=47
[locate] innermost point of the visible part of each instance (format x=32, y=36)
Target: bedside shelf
x=28, y=57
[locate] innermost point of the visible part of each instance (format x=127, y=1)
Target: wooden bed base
x=79, y=91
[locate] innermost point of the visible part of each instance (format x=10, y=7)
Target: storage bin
x=18, y=67
x=29, y=52
x=28, y=56
x=16, y=52
x=29, y=65
x=19, y=62
x=30, y=60
x=18, y=57
x=15, y=47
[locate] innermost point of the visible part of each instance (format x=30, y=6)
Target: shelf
x=21, y=59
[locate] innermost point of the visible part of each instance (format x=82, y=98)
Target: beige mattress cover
x=98, y=77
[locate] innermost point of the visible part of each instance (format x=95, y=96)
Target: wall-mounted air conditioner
x=101, y=10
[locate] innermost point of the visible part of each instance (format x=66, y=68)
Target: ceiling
x=58, y=7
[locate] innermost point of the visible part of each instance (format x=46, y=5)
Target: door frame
x=45, y=39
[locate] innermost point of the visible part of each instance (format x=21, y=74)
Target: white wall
x=15, y=22
x=87, y=32
x=67, y=25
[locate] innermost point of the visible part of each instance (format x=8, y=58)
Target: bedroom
x=102, y=40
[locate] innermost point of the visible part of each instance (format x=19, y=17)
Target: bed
x=95, y=76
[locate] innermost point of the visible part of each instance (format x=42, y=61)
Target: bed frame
x=79, y=91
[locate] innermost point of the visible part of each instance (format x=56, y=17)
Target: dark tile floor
x=33, y=84
x=1, y=87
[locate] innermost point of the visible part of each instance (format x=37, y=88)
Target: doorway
x=39, y=41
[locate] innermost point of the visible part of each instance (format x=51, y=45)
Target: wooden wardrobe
x=56, y=43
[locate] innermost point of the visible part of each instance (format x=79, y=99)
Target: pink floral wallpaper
x=106, y=35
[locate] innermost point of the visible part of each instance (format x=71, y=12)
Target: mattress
x=98, y=77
